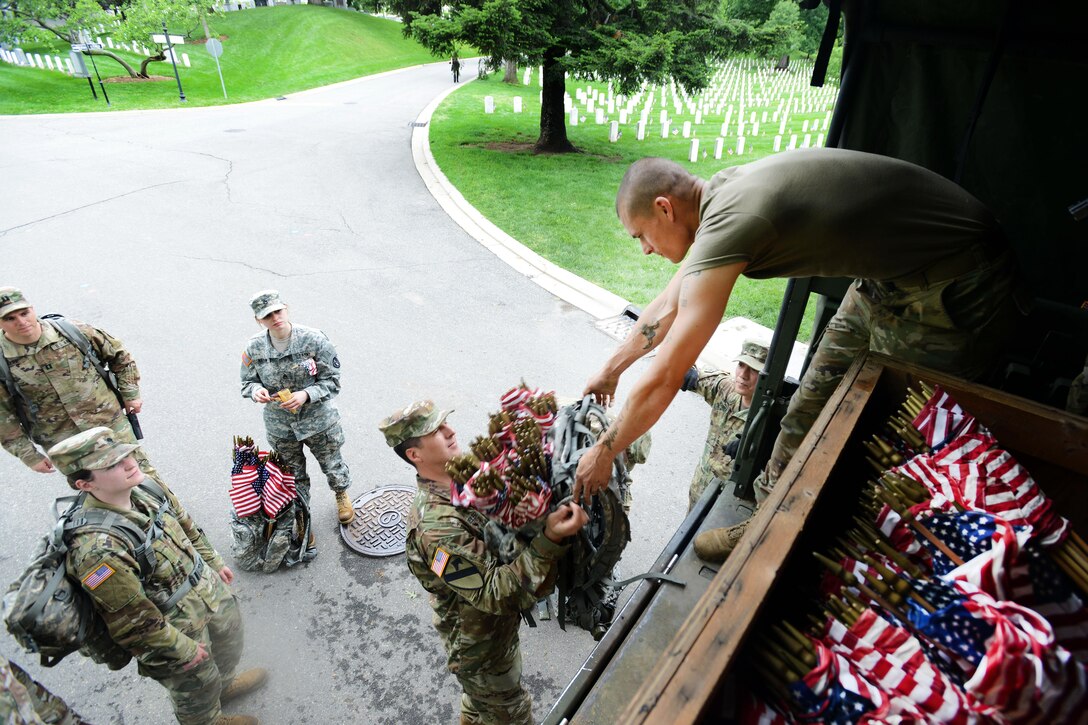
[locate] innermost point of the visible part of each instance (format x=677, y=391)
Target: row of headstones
x=47, y=62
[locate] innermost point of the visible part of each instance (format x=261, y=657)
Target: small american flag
x=96, y=577
x=244, y=494
x=441, y=559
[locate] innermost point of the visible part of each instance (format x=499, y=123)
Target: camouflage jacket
x=106, y=566
x=66, y=395
x=308, y=364
x=474, y=595
x=25, y=701
x=727, y=419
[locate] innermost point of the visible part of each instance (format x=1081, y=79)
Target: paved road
x=158, y=226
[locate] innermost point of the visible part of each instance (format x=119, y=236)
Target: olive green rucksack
x=48, y=612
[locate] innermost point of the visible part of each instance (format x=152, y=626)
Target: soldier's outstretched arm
x=702, y=301
x=112, y=352
x=650, y=330
x=108, y=573
x=469, y=569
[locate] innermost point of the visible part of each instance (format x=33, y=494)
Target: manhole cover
x=381, y=521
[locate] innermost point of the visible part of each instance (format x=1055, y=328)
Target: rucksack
x=48, y=612
x=69, y=331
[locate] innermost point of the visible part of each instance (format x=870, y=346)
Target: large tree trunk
x=553, y=121
x=124, y=64
x=150, y=59
x=510, y=71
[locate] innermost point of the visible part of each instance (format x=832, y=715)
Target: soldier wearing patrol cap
x=61, y=392
x=302, y=363
x=730, y=397
x=477, y=600
x=180, y=622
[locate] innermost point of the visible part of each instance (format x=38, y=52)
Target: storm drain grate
x=381, y=521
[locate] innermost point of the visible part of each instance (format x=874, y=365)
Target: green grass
x=562, y=206
x=267, y=52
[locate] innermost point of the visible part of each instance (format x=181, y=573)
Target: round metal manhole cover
x=381, y=521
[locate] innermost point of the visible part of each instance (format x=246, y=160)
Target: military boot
x=344, y=510
x=247, y=681
x=237, y=720
x=716, y=545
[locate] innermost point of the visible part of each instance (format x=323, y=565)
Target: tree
x=131, y=20
x=784, y=30
x=624, y=42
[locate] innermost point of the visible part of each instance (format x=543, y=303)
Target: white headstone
x=598, y=116
x=68, y=62
x=807, y=142
x=613, y=132
x=185, y=60
x=819, y=139
x=590, y=105
x=693, y=155
x=777, y=144
x=574, y=117
x=489, y=104
x=686, y=132
x=568, y=103
x=698, y=117
x=804, y=127
x=663, y=116
x=641, y=134
x=611, y=106
x=665, y=130
x=623, y=116
x=764, y=117
x=528, y=76
x=109, y=41
x=49, y=62
x=725, y=129
x=793, y=141
x=755, y=128
x=99, y=40
x=718, y=147
x=740, y=128
x=740, y=144
x=38, y=60
x=20, y=56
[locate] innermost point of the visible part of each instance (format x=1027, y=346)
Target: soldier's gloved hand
x=43, y=466
x=691, y=379
x=565, y=521
x=260, y=395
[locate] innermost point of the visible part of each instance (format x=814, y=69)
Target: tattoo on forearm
x=649, y=332
x=609, y=436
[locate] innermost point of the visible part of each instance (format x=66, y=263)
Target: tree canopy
x=623, y=42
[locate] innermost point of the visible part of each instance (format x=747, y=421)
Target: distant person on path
x=730, y=397
x=477, y=600
x=935, y=280
x=293, y=371
x=455, y=66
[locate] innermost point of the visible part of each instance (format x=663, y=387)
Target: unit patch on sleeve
x=462, y=574
x=245, y=360
x=336, y=362
x=440, y=560
x=93, y=580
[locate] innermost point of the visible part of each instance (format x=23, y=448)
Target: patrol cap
x=418, y=419
x=12, y=299
x=90, y=450
x=753, y=353
x=266, y=302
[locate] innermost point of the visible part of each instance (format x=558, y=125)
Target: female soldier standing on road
x=293, y=371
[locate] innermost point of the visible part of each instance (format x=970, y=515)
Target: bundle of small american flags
x=507, y=475
x=958, y=597
x=260, y=483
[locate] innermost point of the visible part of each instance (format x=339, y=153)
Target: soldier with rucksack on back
x=172, y=611
x=59, y=377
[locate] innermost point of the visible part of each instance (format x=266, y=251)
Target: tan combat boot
x=237, y=720
x=717, y=544
x=247, y=681
x=344, y=510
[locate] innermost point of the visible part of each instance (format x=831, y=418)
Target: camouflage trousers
x=195, y=692
x=25, y=701
x=485, y=656
x=956, y=325
x=326, y=447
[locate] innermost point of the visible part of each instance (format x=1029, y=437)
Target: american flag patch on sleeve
x=439, y=562
x=96, y=577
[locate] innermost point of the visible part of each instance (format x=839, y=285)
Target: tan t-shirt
x=833, y=213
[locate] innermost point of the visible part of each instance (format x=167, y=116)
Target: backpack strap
x=75, y=336
x=22, y=406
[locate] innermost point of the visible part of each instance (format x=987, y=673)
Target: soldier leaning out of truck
x=935, y=280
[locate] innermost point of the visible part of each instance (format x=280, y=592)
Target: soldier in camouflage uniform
x=302, y=360
x=190, y=648
x=477, y=600
x=67, y=395
x=935, y=278
x=25, y=701
x=730, y=397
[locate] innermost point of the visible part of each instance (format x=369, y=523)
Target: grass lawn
x=267, y=52
x=562, y=206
